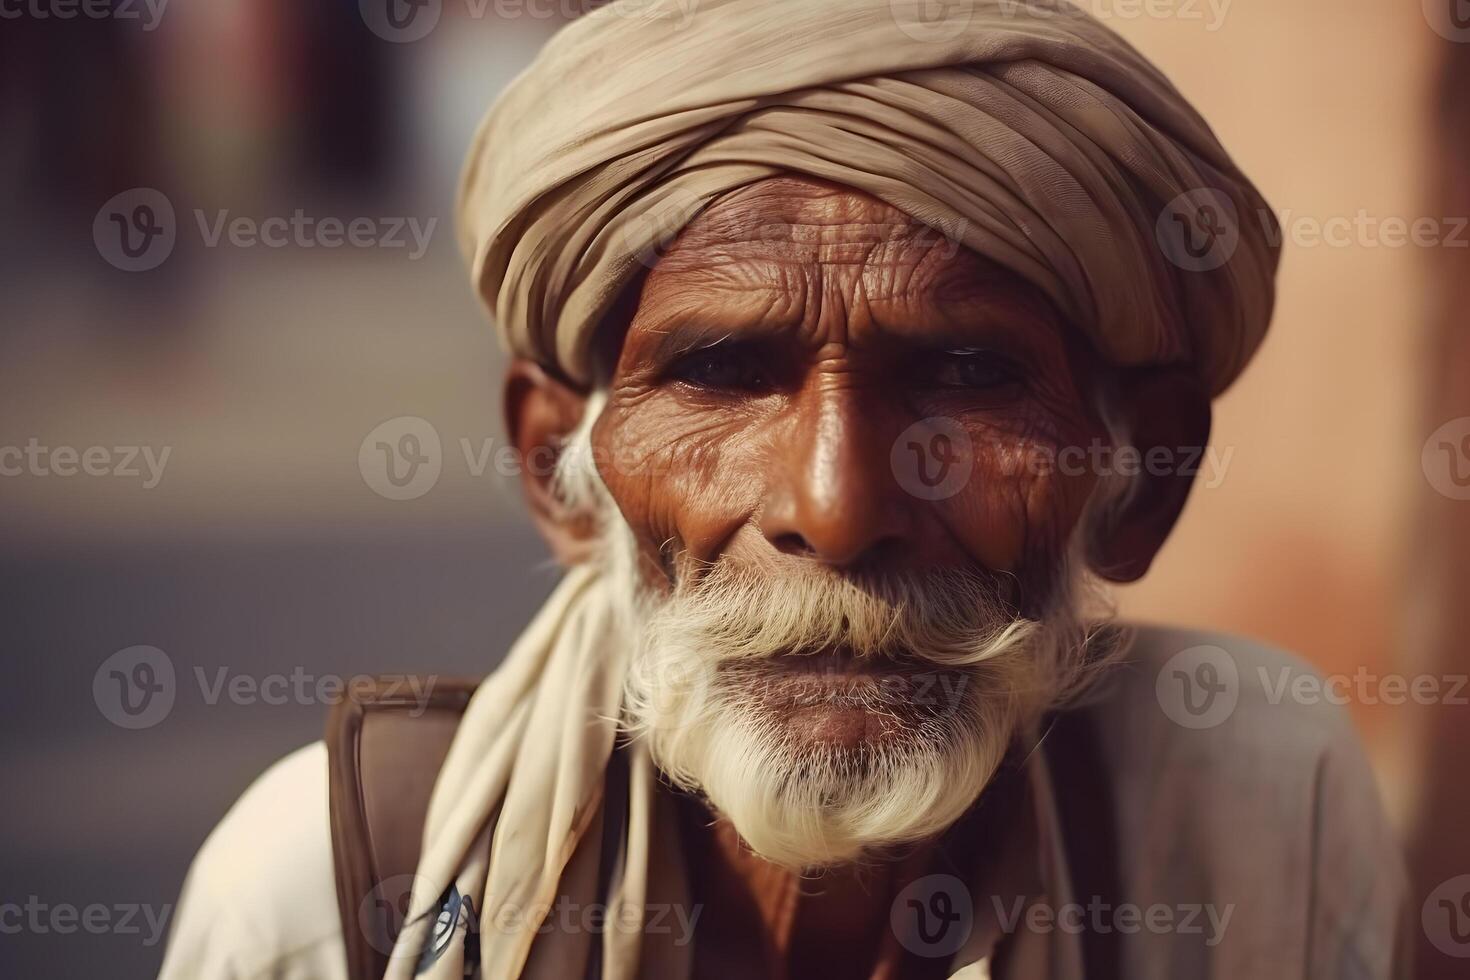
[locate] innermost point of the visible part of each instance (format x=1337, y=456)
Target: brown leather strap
x=385, y=746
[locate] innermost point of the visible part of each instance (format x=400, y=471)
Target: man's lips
x=836, y=668
x=840, y=699
x=840, y=679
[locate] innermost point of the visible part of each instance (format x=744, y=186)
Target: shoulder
x=1254, y=698
x=1232, y=770
x=1214, y=713
x=260, y=899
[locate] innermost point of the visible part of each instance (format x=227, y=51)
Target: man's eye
x=975, y=369
x=722, y=368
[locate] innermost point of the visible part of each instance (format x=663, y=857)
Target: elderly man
x=868, y=338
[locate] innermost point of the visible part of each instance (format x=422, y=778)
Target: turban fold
x=1027, y=131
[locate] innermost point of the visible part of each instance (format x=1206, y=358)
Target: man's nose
x=833, y=495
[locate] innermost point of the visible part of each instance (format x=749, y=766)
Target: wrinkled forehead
x=796, y=220
x=793, y=216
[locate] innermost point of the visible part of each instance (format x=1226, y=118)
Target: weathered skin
x=835, y=316
x=772, y=357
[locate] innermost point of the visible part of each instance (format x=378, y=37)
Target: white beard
x=699, y=677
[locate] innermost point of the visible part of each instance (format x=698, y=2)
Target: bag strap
x=385, y=745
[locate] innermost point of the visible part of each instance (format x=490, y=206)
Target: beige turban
x=1026, y=130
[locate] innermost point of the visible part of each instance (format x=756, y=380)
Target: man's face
x=780, y=349
x=827, y=417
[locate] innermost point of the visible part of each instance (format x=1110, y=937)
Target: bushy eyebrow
x=666, y=347
x=702, y=321
x=678, y=335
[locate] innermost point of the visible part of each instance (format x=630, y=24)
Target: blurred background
x=228, y=271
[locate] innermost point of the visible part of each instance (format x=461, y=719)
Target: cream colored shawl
x=517, y=819
x=1027, y=131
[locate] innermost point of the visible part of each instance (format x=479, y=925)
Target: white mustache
x=744, y=612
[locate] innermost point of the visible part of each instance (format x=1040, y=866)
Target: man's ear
x=1167, y=415
x=541, y=412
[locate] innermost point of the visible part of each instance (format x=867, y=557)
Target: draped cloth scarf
x=560, y=866
x=1026, y=131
